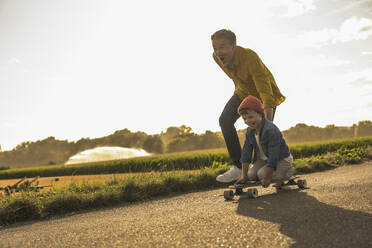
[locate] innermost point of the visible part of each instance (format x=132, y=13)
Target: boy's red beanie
x=252, y=103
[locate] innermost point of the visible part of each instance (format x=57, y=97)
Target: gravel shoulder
x=335, y=212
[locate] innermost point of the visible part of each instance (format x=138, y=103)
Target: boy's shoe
x=231, y=175
x=278, y=184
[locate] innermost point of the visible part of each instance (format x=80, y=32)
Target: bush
x=22, y=208
x=340, y=157
x=4, y=167
x=315, y=163
x=350, y=156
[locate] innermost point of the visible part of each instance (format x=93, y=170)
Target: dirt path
x=335, y=212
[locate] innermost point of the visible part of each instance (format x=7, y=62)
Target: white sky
x=86, y=68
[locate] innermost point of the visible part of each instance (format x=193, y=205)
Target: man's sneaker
x=290, y=172
x=231, y=175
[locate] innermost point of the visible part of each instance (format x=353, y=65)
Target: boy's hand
x=265, y=182
x=242, y=180
x=267, y=175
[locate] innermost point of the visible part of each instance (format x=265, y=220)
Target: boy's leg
x=283, y=171
x=252, y=171
x=227, y=120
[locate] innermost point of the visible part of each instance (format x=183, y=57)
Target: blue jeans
x=227, y=122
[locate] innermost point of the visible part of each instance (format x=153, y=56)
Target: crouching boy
x=264, y=147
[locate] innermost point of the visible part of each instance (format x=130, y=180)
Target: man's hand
x=267, y=175
x=269, y=114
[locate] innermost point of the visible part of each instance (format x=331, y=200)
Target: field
x=194, y=160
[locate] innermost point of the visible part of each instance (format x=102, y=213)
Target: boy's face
x=251, y=118
x=224, y=50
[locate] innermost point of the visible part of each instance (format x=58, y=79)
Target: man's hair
x=224, y=34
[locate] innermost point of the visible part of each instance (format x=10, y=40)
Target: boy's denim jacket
x=272, y=143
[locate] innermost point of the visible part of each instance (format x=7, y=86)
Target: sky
x=77, y=69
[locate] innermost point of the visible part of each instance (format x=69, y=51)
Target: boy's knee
x=260, y=174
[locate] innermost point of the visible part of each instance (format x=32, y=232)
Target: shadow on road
x=308, y=222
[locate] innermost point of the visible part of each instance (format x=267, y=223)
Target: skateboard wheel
x=302, y=184
x=228, y=194
x=252, y=193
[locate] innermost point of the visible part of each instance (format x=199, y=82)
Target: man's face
x=251, y=118
x=224, y=50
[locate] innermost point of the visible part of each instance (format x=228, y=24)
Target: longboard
x=252, y=192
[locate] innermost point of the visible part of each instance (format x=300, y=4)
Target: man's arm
x=261, y=78
x=269, y=114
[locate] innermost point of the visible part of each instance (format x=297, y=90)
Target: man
x=251, y=77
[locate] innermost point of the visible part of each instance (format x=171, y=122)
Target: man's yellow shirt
x=251, y=77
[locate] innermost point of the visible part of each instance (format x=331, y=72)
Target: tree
x=183, y=144
x=210, y=140
x=154, y=144
x=176, y=132
x=364, y=128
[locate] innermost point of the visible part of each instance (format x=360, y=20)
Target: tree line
x=303, y=133
x=175, y=139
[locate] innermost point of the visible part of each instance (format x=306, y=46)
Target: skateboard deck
x=252, y=192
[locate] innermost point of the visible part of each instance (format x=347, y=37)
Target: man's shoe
x=229, y=176
x=290, y=173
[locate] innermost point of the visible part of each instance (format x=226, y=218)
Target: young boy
x=250, y=77
x=264, y=147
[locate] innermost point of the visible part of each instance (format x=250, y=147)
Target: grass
x=78, y=196
x=342, y=156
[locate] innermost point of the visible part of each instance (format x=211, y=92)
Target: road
x=335, y=212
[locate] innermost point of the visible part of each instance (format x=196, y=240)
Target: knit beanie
x=252, y=103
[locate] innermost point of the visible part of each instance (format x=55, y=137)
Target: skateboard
x=252, y=192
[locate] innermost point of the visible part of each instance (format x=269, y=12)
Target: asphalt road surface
x=335, y=212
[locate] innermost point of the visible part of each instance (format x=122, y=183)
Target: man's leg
x=227, y=120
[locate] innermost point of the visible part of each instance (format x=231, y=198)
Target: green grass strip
x=167, y=162
x=314, y=149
